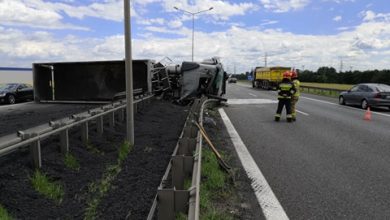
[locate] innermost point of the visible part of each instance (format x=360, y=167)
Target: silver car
x=367, y=95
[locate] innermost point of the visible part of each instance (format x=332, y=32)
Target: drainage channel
x=185, y=165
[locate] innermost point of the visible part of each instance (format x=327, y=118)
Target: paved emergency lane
x=329, y=164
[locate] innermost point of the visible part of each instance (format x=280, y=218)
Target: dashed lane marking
x=331, y=103
x=251, y=94
x=303, y=113
x=270, y=205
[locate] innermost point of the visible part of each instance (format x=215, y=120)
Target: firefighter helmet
x=287, y=74
x=294, y=74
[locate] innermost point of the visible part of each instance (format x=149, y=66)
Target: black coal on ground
x=157, y=129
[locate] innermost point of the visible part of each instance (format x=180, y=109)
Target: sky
x=305, y=34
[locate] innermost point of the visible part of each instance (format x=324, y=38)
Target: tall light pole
x=193, y=24
x=129, y=76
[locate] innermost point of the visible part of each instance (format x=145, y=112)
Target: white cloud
x=49, y=15
x=339, y=1
x=159, y=21
x=372, y=16
x=15, y=12
x=284, y=5
x=337, y=18
x=222, y=10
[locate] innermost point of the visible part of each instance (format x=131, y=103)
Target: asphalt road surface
x=329, y=164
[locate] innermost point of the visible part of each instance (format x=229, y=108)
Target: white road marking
x=14, y=105
x=316, y=100
x=252, y=94
x=250, y=101
x=350, y=107
x=303, y=113
x=271, y=206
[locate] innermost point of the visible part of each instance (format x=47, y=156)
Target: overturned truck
x=104, y=81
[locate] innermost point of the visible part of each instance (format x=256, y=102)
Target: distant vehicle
x=14, y=92
x=268, y=77
x=366, y=95
x=232, y=80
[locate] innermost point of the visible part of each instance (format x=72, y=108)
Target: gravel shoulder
x=157, y=129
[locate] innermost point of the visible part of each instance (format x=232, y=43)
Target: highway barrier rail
x=321, y=91
x=32, y=137
x=179, y=189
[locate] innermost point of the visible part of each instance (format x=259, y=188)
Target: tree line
x=330, y=75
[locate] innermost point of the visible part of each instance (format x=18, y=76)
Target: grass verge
x=97, y=190
x=44, y=186
x=4, y=214
x=327, y=85
x=71, y=162
x=215, y=186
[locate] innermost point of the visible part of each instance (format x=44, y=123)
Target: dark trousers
x=281, y=104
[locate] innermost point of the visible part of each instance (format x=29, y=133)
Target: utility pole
x=265, y=59
x=341, y=64
x=129, y=76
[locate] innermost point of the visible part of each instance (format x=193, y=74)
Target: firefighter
x=295, y=97
x=286, y=90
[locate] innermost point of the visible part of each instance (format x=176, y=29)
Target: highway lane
x=329, y=164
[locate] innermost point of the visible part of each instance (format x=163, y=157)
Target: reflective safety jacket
x=297, y=84
x=286, y=90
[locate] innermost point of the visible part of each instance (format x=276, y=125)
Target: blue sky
x=299, y=33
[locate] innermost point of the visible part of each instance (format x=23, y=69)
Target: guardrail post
x=135, y=107
x=111, y=118
x=84, y=132
x=64, y=140
x=170, y=202
x=186, y=146
x=181, y=168
x=35, y=149
x=121, y=115
x=99, y=125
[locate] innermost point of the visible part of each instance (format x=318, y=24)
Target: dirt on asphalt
x=157, y=129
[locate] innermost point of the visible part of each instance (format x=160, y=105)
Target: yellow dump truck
x=268, y=77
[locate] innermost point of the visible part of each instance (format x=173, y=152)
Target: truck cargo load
x=268, y=77
x=91, y=81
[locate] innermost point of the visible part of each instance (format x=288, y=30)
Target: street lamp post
x=193, y=24
x=129, y=75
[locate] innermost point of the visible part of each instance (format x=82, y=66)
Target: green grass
x=214, y=186
x=4, y=214
x=324, y=86
x=100, y=188
x=71, y=162
x=124, y=150
x=44, y=186
x=93, y=149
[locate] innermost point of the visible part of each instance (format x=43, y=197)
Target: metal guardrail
x=35, y=135
x=323, y=90
x=185, y=165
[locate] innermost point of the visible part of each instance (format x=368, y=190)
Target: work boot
x=277, y=118
x=293, y=119
x=289, y=119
